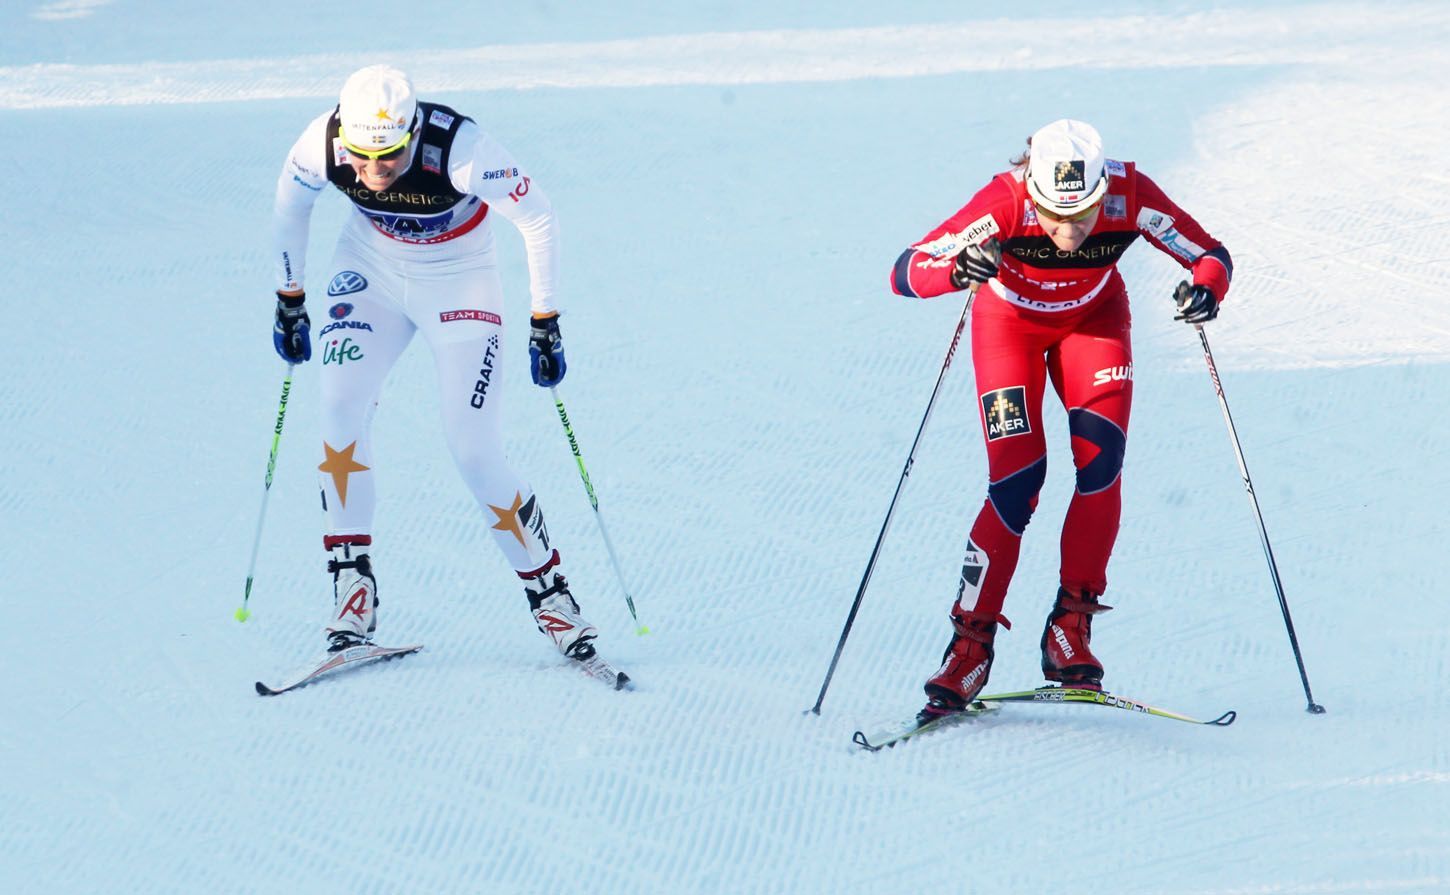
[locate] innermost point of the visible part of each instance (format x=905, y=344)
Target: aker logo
x=1069, y=177
x=440, y=119
x=469, y=314
x=346, y=283
x=1113, y=374
x=339, y=310
x=1005, y=410
x=485, y=377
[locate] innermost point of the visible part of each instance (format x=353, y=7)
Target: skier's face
x=1068, y=234
x=378, y=174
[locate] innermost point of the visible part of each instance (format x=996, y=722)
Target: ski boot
x=556, y=613
x=354, y=595
x=965, y=665
x=1066, y=657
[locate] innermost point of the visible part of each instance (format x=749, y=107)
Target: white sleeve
x=303, y=177
x=479, y=165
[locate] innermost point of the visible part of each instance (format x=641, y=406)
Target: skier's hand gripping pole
x=243, y=613
x=1183, y=295
x=900, y=483
x=594, y=502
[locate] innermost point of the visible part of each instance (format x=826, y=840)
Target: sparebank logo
x=346, y=283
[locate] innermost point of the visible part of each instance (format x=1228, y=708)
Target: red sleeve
x=1177, y=234
x=925, y=269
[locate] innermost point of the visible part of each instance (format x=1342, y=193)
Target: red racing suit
x=1062, y=316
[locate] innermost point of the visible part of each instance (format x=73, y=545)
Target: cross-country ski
x=330, y=663
x=924, y=722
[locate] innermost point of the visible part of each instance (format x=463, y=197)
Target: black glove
x=976, y=264
x=1196, y=304
x=546, y=352
x=291, y=332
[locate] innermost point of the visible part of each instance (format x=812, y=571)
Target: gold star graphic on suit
x=508, y=519
x=339, y=465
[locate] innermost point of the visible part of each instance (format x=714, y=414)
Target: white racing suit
x=418, y=258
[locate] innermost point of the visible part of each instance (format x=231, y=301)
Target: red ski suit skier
x=1059, y=315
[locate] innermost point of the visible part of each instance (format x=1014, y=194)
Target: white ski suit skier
x=417, y=255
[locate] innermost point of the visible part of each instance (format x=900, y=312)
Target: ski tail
x=900, y=732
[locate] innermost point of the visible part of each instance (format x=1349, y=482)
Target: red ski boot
x=965, y=665
x=1066, y=656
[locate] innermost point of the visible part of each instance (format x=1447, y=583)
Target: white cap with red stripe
x=1065, y=167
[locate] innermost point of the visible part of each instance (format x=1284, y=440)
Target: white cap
x=376, y=107
x=1065, y=166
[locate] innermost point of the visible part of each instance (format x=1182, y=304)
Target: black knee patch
x=1099, y=473
x=1015, y=497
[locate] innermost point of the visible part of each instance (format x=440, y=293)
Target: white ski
x=602, y=671
x=329, y=662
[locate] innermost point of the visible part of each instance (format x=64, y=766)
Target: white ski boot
x=557, y=615
x=354, y=598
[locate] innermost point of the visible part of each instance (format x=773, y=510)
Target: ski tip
x=859, y=738
x=264, y=690
x=623, y=682
x=1225, y=719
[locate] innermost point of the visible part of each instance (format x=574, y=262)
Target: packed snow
x=734, y=183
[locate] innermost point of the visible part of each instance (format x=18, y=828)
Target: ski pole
x=891, y=510
x=639, y=629
x=243, y=613
x=1313, y=708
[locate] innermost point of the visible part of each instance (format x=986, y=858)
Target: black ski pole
x=1313, y=708
x=891, y=510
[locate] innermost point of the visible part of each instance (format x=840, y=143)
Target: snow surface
x=734, y=181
